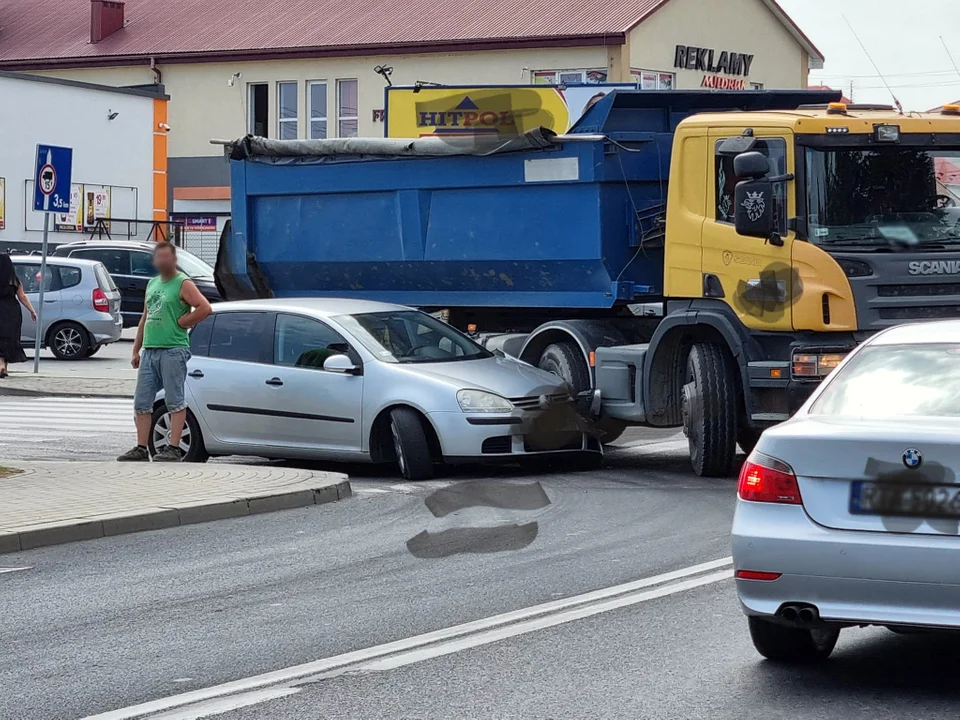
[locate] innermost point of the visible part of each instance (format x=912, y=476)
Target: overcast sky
x=902, y=38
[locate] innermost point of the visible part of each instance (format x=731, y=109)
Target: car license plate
x=924, y=500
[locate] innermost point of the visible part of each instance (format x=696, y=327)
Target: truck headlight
x=815, y=365
x=473, y=401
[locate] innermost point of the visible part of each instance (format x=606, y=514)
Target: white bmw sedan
x=849, y=513
x=354, y=380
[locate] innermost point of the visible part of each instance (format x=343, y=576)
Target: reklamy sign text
x=690, y=57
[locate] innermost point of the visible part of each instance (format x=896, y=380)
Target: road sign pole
x=38, y=340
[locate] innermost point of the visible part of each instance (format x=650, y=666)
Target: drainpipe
x=158, y=76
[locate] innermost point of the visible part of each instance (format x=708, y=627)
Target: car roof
x=941, y=331
x=122, y=244
x=54, y=260
x=321, y=307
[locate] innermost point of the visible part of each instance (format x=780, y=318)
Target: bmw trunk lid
x=871, y=475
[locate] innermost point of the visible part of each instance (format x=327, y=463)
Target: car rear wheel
x=69, y=341
x=191, y=440
x=709, y=405
x=93, y=350
x=792, y=645
x=410, y=445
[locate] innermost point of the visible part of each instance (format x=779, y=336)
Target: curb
x=26, y=392
x=161, y=518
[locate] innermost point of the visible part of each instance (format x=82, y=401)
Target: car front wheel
x=410, y=444
x=191, y=440
x=792, y=645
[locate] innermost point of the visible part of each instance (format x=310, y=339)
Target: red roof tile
x=34, y=33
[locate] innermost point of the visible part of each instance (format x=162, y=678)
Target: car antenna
x=879, y=74
x=950, y=55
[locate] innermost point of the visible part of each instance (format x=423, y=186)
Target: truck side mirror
x=751, y=165
x=753, y=213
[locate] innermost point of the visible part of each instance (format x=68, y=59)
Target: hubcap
x=68, y=341
x=161, y=435
x=397, y=448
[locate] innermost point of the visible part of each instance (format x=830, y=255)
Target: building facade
x=119, y=157
x=320, y=77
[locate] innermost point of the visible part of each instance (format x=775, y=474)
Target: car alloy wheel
x=68, y=342
x=161, y=435
x=398, y=448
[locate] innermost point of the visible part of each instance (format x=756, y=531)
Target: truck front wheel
x=565, y=360
x=710, y=410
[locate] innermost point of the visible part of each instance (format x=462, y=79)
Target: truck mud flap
x=249, y=285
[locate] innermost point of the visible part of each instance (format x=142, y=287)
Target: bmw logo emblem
x=912, y=459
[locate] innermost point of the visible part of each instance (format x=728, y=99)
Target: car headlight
x=473, y=401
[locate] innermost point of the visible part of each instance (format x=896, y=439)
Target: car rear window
x=241, y=336
x=103, y=278
x=69, y=276
x=200, y=337
x=895, y=381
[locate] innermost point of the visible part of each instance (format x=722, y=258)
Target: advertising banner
x=72, y=221
x=96, y=205
x=493, y=110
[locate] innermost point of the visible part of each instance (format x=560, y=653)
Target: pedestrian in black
x=11, y=296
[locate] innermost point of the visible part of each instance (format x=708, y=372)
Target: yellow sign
x=3, y=203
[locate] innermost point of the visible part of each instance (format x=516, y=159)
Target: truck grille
x=925, y=290
x=926, y=312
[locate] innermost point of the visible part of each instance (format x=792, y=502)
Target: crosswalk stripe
x=39, y=420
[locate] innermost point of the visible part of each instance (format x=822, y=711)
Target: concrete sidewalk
x=57, y=502
x=41, y=385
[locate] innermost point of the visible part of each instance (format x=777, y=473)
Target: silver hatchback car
x=365, y=381
x=849, y=513
x=81, y=305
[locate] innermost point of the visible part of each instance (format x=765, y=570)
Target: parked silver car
x=81, y=305
x=357, y=380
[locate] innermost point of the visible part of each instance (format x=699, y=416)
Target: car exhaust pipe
x=789, y=614
x=799, y=615
x=807, y=616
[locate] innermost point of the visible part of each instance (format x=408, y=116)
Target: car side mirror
x=341, y=364
x=753, y=209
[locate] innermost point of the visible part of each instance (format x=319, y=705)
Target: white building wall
x=116, y=152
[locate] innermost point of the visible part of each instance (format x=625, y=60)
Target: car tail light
x=756, y=575
x=100, y=301
x=766, y=479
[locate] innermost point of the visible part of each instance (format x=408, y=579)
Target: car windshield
x=892, y=381
x=883, y=197
x=192, y=265
x=410, y=336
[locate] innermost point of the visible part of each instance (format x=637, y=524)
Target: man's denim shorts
x=161, y=368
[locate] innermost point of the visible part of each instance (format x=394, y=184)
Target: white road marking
x=11, y=569
x=42, y=419
x=222, y=705
x=445, y=641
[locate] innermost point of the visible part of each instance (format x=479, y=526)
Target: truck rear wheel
x=710, y=410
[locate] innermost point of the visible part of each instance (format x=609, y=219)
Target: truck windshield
x=883, y=197
x=410, y=336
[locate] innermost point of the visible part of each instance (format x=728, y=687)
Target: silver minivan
x=81, y=305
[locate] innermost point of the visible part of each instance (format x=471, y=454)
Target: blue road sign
x=51, y=182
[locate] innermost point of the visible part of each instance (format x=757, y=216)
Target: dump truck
x=690, y=259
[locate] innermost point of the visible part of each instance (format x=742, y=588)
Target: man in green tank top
x=163, y=337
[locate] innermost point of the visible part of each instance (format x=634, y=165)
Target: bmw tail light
x=766, y=479
x=100, y=301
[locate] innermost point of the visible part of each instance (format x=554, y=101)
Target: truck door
x=756, y=276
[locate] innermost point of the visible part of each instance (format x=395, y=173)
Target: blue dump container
x=573, y=223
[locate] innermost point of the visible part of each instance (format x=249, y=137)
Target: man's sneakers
x=138, y=454
x=141, y=454
x=169, y=454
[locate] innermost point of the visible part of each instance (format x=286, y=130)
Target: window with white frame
x=756, y=86
x=568, y=77
x=287, y=111
x=347, y=108
x=654, y=79
x=258, y=100
x=317, y=109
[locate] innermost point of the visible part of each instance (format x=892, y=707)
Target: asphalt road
x=101, y=626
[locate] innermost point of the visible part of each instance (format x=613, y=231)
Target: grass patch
x=8, y=471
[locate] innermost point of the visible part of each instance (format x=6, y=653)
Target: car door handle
x=196, y=374
x=276, y=382
x=48, y=301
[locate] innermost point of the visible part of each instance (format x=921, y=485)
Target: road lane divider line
x=517, y=621
x=219, y=706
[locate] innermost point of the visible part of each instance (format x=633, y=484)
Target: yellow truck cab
x=791, y=236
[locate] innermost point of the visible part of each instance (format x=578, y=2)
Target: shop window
x=287, y=111
x=775, y=150
x=317, y=109
x=347, y=108
x=654, y=79
x=568, y=77
x=258, y=100
x=756, y=86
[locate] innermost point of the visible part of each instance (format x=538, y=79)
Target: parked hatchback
x=130, y=264
x=365, y=381
x=81, y=305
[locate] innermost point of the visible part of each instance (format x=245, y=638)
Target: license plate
x=924, y=500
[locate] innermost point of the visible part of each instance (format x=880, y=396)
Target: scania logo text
x=934, y=267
